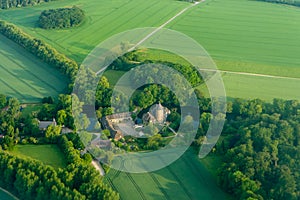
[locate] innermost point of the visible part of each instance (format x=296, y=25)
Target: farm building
x=43, y=125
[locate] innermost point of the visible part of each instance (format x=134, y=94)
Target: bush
x=61, y=18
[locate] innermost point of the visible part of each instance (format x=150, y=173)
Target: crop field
x=103, y=19
x=186, y=178
x=241, y=36
x=48, y=154
x=24, y=76
x=244, y=35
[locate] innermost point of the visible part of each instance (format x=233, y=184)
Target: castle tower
x=159, y=113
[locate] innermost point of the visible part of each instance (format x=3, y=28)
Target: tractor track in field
x=136, y=186
x=177, y=179
x=194, y=169
x=24, y=82
x=29, y=72
x=112, y=185
x=167, y=197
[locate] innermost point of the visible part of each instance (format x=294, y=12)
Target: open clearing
x=24, y=76
x=48, y=154
x=186, y=178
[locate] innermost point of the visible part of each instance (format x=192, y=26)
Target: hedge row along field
x=287, y=2
x=5, y=4
x=39, y=48
x=61, y=18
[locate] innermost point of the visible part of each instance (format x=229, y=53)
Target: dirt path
x=98, y=167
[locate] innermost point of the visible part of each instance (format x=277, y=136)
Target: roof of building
x=119, y=115
x=45, y=124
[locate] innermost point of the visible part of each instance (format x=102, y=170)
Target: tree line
x=6, y=4
x=287, y=2
x=61, y=18
x=39, y=48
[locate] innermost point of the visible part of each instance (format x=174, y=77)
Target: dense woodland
x=5, y=4
x=262, y=150
x=61, y=18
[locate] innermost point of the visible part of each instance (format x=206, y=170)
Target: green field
x=241, y=36
x=24, y=76
x=48, y=154
x=187, y=178
x=6, y=196
x=246, y=35
x=103, y=19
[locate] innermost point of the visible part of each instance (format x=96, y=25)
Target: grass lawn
x=24, y=76
x=48, y=154
x=187, y=178
x=28, y=109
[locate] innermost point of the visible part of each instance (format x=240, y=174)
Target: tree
x=61, y=18
x=61, y=117
x=3, y=101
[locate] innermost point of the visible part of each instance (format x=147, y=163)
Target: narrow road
x=98, y=167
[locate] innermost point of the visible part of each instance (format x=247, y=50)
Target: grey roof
x=45, y=124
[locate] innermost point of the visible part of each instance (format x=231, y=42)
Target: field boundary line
x=136, y=186
x=37, y=61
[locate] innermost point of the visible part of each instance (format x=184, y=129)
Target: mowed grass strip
x=48, y=154
x=24, y=76
x=260, y=34
x=103, y=19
